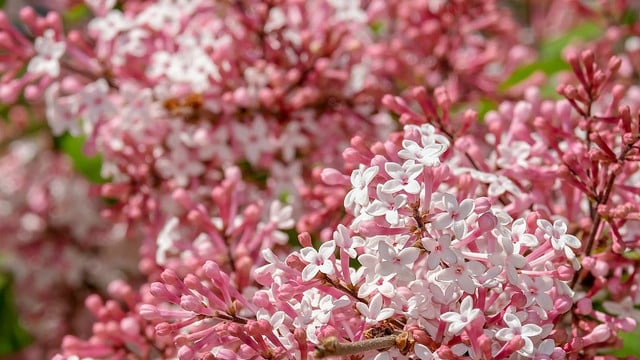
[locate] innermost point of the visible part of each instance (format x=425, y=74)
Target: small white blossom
x=428, y=155
x=403, y=177
x=347, y=242
x=455, y=215
x=48, y=54
x=459, y=320
x=319, y=261
x=560, y=240
x=360, y=179
x=388, y=205
x=374, y=312
x=515, y=328
x=399, y=263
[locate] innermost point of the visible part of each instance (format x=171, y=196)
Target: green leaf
x=76, y=14
x=550, y=61
x=89, y=166
x=253, y=174
x=377, y=28
x=582, y=32
x=630, y=344
x=12, y=336
x=549, y=67
x=484, y=106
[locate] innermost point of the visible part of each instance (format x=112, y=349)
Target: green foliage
x=89, y=166
x=550, y=60
x=484, y=106
x=630, y=345
x=253, y=174
x=12, y=336
x=76, y=14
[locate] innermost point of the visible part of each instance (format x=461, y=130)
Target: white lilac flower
x=428, y=155
x=319, y=260
x=560, y=240
x=49, y=51
x=374, y=312
x=514, y=328
x=459, y=320
x=454, y=215
x=360, y=179
x=388, y=205
x=403, y=177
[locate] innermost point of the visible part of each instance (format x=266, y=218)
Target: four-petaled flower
x=360, y=179
x=454, y=215
x=388, y=205
x=398, y=263
x=403, y=177
x=515, y=327
x=319, y=261
x=560, y=240
x=347, y=242
x=428, y=155
x=459, y=320
x=439, y=250
x=374, y=312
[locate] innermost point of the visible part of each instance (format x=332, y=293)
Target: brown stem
x=331, y=346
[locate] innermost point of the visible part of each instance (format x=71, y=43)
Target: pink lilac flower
x=214, y=121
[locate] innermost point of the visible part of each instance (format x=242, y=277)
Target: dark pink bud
x=532, y=219
x=191, y=303
x=614, y=64
x=563, y=304
x=94, y=303
x=305, y=239
x=181, y=197
x=171, y=278
x=252, y=213
x=519, y=300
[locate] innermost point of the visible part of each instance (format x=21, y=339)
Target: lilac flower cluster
x=313, y=179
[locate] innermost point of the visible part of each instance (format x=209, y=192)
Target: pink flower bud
x=334, y=177
x=600, y=333
x=305, y=239
x=186, y=353
x=487, y=222
x=481, y=205
x=584, y=306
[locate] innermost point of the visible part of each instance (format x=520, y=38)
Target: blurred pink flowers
x=309, y=179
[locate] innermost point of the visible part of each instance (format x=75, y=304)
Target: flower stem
x=331, y=346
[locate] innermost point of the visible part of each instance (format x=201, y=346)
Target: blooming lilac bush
x=315, y=179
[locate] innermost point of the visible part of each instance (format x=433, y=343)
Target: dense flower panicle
x=427, y=226
x=161, y=82
x=319, y=290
